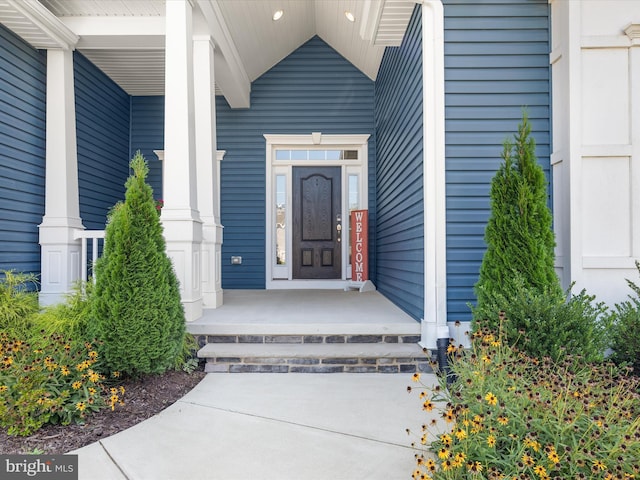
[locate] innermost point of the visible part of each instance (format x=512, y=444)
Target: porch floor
x=304, y=312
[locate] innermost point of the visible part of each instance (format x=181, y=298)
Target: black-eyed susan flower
x=598, y=466
x=527, y=460
x=491, y=441
x=540, y=471
x=76, y=385
x=430, y=465
x=416, y=377
x=444, y=453
x=428, y=406
x=81, y=406
x=491, y=399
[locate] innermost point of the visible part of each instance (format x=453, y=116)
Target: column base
x=431, y=332
x=60, y=258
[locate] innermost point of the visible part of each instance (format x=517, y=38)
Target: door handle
x=339, y=230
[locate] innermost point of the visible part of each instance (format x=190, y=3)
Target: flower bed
x=512, y=416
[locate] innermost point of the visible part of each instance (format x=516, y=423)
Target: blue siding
x=400, y=226
x=496, y=63
x=312, y=90
x=22, y=152
x=147, y=135
x=102, y=128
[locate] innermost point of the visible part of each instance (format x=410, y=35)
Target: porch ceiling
x=125, y=38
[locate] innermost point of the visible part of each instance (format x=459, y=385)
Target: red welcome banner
x=359, y=245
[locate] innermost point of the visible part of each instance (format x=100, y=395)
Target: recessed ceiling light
x=277, y=15
x=349, y=16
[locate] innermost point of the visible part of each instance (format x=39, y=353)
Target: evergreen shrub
x=136, y=309
x=626, y=329
x=519, y=236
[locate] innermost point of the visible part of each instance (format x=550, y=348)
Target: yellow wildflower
x=491, y=399
x=76, y=385
x=461, y=434
x=81, y=406
x=540, y=471
x=416, y=377
x=491, y=441
x=443, y=453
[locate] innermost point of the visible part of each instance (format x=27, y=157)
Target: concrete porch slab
x=304, y=312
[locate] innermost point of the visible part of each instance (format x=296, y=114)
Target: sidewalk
x=271, y=426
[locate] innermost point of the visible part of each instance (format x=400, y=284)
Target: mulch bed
x=144, y=398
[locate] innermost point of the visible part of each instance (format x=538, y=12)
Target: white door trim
x=280, y=276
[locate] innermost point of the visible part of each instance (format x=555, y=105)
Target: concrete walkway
x=271, y=426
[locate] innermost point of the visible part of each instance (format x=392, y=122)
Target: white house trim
x=207, y=168
x=180, y=215
x=60, y=250
x=434, y=324
x=280, y=277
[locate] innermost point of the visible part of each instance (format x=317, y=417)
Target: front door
x=317, y=223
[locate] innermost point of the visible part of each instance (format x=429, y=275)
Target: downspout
x=435, y=332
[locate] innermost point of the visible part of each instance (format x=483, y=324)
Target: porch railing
x=96, y=246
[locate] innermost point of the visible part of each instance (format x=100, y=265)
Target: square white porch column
x=208, y=169
x=180, y=216
x=434, y=325
x=60, y=251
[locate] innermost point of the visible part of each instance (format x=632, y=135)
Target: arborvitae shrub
x=519, y=237
x=136, y=309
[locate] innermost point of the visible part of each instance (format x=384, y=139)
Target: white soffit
x=125, y=38
x=35, y=24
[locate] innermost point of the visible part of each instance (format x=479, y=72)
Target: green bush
x=136, y=309
x=18, y=302
x=71, y=317
x=520, y=240
x=511, y=416
x=543, y=325
x=626, y=329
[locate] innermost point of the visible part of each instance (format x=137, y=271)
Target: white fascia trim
x=435, y=275
x=118, y=32
x=224, y=41
x=46, y=22
x=284, y=140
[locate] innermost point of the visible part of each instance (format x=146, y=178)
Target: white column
x=60, y=251
x=207, y=166
x=434, y=324
x=633, y=32
x=180, y=216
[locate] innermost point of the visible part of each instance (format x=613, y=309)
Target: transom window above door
x=313, y=155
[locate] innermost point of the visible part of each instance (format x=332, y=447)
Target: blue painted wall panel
x=312, y=90
x=22, y=152
x=400, y=226
x=102, y=128
x=496, y=63
x=147, y=135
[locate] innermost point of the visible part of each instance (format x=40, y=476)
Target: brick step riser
x=309, y=339
x=317, y=365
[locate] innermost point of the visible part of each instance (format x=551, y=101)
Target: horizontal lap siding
x=312, y=90
x=496, y=63
x=400, y=225
x=22, y=152
x=102, y=128
x=147, y=135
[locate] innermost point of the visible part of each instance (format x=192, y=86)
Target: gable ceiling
x=125, y=38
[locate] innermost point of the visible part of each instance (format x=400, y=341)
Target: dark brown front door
x=317, y=225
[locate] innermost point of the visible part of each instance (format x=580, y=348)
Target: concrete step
x=315, y=358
